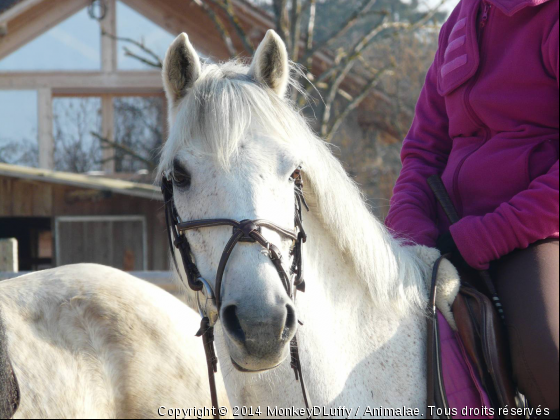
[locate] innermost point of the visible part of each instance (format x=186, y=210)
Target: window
x=76, y=149
x=139, y=124
x=18, y=127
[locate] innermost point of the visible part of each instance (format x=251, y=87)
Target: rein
x=245, y=231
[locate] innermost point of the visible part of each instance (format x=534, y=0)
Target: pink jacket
x=487, y=121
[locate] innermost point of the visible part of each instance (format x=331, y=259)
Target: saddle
x=482, y=334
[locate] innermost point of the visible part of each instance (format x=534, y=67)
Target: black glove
x=446, y=245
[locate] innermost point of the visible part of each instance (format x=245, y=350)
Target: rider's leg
x=527, y=282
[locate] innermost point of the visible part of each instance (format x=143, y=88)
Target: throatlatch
x=244, y=231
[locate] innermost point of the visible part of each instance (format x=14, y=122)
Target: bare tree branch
x=429, y=15
x=282, y=21
x=227, y=7
x=124, y=149
x=295, y=33
x=310, y=34
x=342, y=70
x=144, y=60
x=219, y=25
x=360, y=47
x=157, y=60
x=331, y=96
x=354, y=104
x=367, y=40
x=350, y=22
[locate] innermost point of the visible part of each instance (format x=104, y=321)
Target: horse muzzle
x=258, y=337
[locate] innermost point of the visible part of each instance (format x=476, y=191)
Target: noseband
x=246, y=231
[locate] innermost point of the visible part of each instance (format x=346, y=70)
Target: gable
x=73, y=44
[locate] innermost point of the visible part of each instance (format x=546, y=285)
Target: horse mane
x=226, y=104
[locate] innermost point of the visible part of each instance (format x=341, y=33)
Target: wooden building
x=21, y=21
x=63, y=218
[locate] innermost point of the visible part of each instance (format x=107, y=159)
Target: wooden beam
x=45, y=129
x=85, y=83
x=109, y=43
x=108, y=132
x=35, y=20
x=18, y=9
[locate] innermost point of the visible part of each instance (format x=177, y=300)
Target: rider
x=487, y=121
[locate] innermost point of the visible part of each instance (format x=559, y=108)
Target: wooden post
x=108, y=43
x=9, y=255
x=164, y=117
x=108, y=132
x=108, y=66
x=45, y=128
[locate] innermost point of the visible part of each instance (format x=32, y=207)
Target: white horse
x=235, y=139
x=88, y=341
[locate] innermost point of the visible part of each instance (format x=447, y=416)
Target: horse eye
x=181, y=177
x=296, y=175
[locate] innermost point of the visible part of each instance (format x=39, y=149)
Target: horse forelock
x=226, y=106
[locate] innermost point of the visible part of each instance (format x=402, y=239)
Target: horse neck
x=334, y=281
x=354, y=352
x=352, y=343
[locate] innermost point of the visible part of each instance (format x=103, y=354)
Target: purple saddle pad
x=466, y=396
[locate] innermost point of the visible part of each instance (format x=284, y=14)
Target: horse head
x=232, y=154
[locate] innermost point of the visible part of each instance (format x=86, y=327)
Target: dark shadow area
x=9, y=393
x=34, y=236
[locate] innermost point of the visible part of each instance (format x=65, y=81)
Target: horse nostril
x=232, y=324
x=291, y=322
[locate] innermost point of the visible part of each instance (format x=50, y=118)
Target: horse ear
x=181, y=69
x=270, y=65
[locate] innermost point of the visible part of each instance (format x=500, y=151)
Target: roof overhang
x=82, y=181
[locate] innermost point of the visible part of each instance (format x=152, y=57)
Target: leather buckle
x=247, y=227
x=207, y=308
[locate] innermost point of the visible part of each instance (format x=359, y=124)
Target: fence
x=9, y=269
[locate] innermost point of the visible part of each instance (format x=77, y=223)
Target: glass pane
x=132, y=25
x=139, y=123
x=72, y=45
x=18, y=128
x=76, y=149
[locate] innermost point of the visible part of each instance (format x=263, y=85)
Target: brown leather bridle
x=248, y=231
